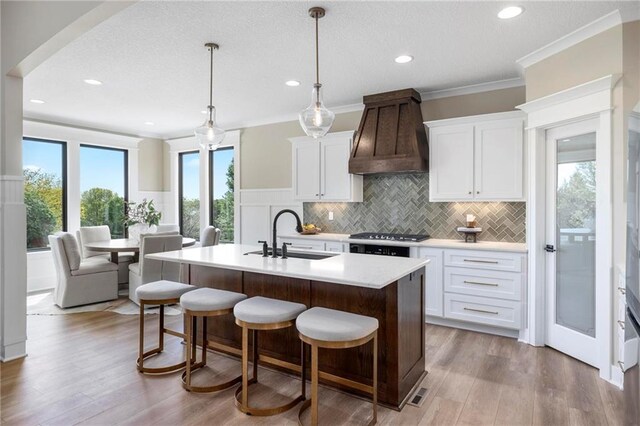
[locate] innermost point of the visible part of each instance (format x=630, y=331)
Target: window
x=103, y=188
x=221, y=175
x=45, y=189
x=189, y=194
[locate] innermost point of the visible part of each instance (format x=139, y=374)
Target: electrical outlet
x=330, y=215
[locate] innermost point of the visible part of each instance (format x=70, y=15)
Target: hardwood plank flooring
x=81, y=370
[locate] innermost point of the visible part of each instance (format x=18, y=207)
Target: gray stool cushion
x=262, y=310
x=334, y=326
x=163, y=289
x=209, y=299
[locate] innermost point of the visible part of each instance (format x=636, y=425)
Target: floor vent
x=418, y=398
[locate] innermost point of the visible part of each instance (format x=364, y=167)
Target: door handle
x=549, y=248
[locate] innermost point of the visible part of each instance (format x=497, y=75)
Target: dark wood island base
x=399, y=307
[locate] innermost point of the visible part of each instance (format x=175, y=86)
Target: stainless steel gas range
x=385, y=246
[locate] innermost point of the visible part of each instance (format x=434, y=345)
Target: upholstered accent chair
x=81, y=281
x=210, y=236
x=90, y=234
x=149, y=270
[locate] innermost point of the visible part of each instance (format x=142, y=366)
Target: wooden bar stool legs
x=191, y=321
x=142, y=355
x=242, y=393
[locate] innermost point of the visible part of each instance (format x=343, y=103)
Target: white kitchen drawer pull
x=481, y=310
x=621, y=324
x=480, y=283
x=481, y=261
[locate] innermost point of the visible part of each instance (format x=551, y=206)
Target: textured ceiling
x=154, y=66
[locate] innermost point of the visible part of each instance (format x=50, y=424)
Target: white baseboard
x=14, y=351
x=472, y=327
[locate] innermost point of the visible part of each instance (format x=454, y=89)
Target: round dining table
x=126, y=245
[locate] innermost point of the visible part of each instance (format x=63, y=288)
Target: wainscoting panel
x=258, y=208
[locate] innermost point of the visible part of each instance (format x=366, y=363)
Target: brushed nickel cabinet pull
x=480, y=310
x=480, y=283
x=480, y=261
x=621, y=364
x=621, y=324
x=302, y=247
x=622, y=290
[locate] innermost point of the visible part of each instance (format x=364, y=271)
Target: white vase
x=136, y=229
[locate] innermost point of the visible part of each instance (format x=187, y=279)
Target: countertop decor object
x=390, y=289
x=209, y=135
x=316, y=119
x=470, y=233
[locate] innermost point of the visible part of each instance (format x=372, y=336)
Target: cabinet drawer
x=334, y=246
x=497, y=261
x=480, y=282
x=482, y=310
x=305, y=245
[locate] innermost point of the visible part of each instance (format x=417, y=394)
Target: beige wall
x=593, y=58
x=265, y=151
x=151, y=165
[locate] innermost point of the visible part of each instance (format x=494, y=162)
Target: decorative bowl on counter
x=310, y=229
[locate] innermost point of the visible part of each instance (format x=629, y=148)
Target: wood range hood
x=391, y=137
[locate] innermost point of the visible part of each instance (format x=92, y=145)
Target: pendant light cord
x=211, y=87
x=317, y=54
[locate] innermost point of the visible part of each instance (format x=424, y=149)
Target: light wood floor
x=80, y=370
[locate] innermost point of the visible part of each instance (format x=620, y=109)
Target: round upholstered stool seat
x=334, y=326
x=204, y=303
x=159, y=293
x=210, y=299
x=329, y=328
x=262, y=314
x=262, y=310
x=163, y=290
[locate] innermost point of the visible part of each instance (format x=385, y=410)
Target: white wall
x=258, y=208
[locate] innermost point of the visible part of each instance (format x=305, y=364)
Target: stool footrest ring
x=265, y=411
x=158, y=370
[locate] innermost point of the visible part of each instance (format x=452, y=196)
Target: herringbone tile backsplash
x=400, y=203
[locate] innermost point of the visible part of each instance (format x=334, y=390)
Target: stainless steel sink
x=298, y=254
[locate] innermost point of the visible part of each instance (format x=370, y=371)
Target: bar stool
x=161, y=293
x=257, y=314
x=204, y=303
x=328, y=328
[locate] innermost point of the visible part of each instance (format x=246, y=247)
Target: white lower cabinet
x=308, y=244
x=337, y=247
x=476, y=286
x=433, y=280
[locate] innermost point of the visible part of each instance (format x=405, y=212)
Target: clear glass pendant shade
x=209, y=135
x=316, y=119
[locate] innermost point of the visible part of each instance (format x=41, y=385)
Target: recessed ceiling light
x=510, y=12
x=93, y=82
x=36, y=101
x=149, y=123
x=292, y=83
x=403, y=59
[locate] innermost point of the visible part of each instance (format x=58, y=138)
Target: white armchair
x=80, y=282
x=148, y=270
x=210, y=236
x=90, y=234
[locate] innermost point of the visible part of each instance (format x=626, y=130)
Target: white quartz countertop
x=345, y=268
x=441, y=243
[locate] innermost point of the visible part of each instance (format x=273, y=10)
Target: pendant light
x=316, y=119
x=209, y=135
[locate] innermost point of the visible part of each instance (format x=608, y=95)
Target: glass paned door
x=571, y=240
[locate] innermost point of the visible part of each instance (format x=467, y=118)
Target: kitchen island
x=387, y=288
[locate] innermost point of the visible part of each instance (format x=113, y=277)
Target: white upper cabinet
x=321, y=169
x=477, y=158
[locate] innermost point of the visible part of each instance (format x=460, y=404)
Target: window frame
x=210, y=179
x=180, y=185
x=63, y=145
x=125, y=151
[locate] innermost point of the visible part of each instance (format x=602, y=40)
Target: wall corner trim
x=601, y=24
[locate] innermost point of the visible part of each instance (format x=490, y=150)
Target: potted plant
x=142, y=218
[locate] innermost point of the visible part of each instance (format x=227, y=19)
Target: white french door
x=571, y=237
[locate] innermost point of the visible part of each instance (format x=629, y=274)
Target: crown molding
x=473, y=88
x=61, y=131
x=604, y=23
